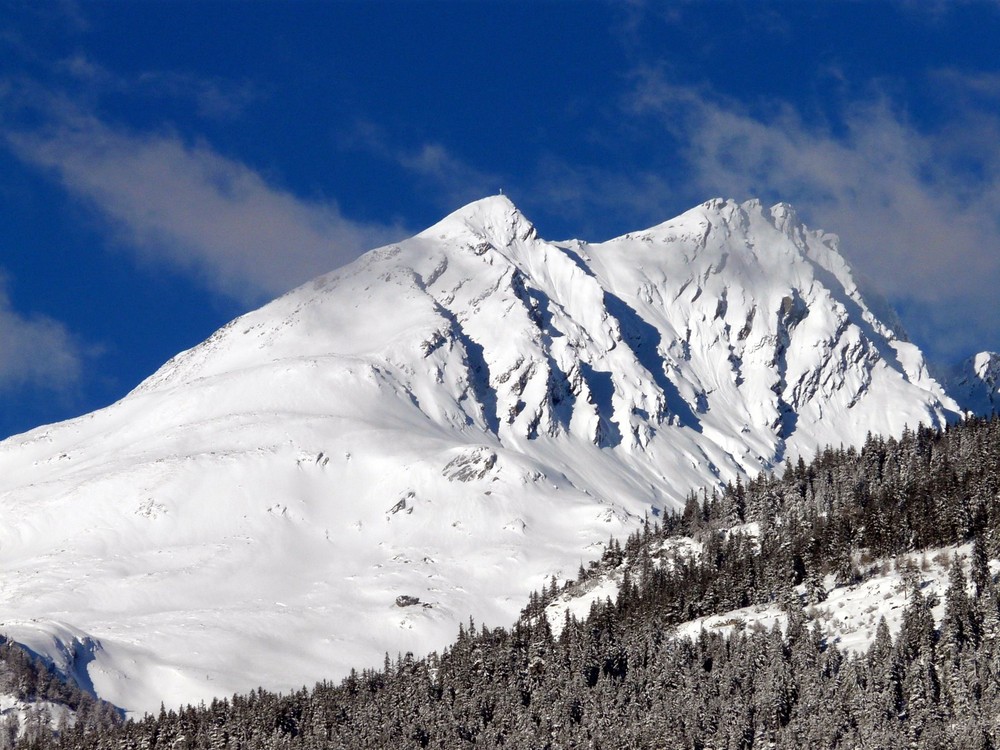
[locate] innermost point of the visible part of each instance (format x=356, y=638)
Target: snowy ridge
x=449, y=420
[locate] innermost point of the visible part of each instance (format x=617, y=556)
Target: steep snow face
x=428, y=434
x=975, y=384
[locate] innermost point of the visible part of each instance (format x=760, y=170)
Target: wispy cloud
x=454, y=181
x=589, y=198
x=36, y=351
x=918, y=212
x=214, y=98
x=183, y=203
x=458, y=181
x=984, y=85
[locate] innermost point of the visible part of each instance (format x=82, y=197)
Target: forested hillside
x=35, y=700
x=620, y=677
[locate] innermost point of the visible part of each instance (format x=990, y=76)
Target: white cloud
x=458, y=182
x=918, y=212
x=965, y=85
x=36, y=351
x=454, y=181
x=187, y=205
x=213, y=97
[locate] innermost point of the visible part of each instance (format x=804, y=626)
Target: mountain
x=427, y=434
x=975, y=383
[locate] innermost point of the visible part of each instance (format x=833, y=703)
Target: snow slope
x=450, y=420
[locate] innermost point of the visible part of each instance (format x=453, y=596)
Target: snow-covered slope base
x=426, y=435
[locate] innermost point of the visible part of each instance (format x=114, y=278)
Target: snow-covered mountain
x=427, y=434
x=975, y=384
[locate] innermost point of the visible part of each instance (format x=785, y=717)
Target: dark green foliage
x=620, y=679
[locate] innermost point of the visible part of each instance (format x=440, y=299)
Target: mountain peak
x=495, y=219
x=782, y=216
x=785, y=217
x=976, y=383
x=987, y=366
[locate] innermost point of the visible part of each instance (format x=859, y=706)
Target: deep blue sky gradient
x=597, y=118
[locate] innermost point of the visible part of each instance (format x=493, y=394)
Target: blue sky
x=165, y=166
